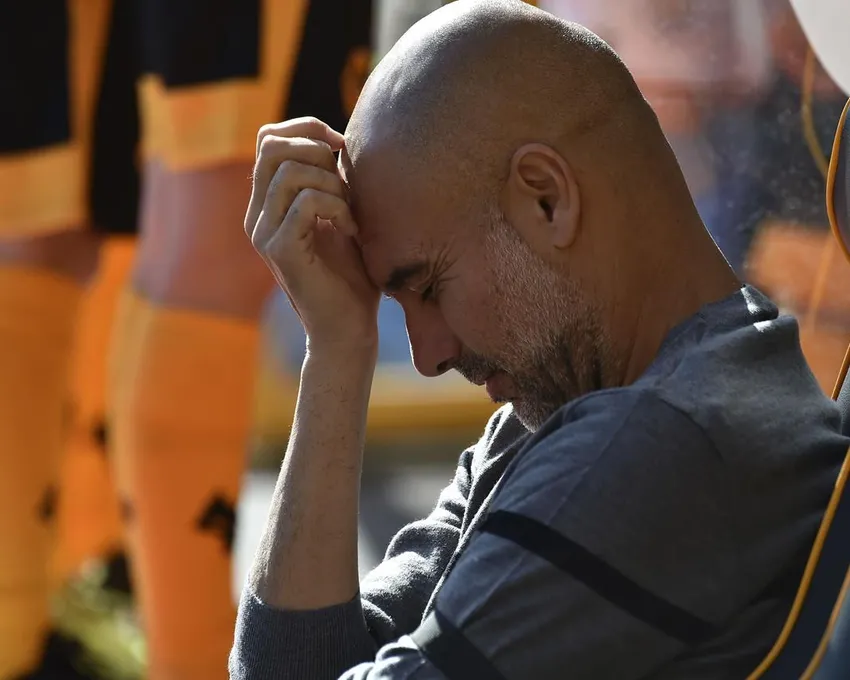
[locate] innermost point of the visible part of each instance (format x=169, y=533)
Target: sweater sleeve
x=324, y=643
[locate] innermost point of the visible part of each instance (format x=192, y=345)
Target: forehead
x=402, y=217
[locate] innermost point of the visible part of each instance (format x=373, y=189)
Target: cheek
x=473, y=311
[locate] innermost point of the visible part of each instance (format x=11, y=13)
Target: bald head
x=477, y=78
x=516, y=195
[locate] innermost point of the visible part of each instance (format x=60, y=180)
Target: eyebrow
x=401, y=275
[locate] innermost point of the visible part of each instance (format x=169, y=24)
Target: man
x=184, y=353
x=643, y=506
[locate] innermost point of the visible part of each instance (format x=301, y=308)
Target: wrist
x=362, y=347
x=342, y=361
x=336, y=380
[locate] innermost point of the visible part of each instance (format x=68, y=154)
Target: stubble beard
x=552, y=345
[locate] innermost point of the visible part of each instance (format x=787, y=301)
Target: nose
x=433, y=346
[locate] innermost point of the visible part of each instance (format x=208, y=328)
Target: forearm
x=308, y=555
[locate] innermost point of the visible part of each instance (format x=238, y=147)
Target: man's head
x=516, y=196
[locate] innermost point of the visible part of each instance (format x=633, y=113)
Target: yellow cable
x=821, y=161
x=806, y=112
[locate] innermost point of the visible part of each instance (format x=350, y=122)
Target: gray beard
x=563, y=372
x=556, y=351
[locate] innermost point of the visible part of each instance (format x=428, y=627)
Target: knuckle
x=286, y=174
x=289, y=168
x=312, y=121
x=267, y=144
x=307, y=199
x=264, y=133
x=264, y=130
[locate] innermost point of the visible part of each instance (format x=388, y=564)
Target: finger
x=274, y=151
x=289, y=180
x=309, y=127
x=287, y=242
x=310, y=205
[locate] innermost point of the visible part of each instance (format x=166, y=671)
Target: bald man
x=643, y=505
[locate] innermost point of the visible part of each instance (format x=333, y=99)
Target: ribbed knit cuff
x=319, y=644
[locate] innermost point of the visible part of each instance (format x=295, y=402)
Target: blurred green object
x=104, y=622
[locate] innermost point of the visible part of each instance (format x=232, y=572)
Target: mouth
x=496, y=383
x=496, y=388
x=488, y=383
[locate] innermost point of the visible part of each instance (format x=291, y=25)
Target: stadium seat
x=815, y=641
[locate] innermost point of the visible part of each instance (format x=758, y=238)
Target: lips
x=498, y=384
x=498, y=387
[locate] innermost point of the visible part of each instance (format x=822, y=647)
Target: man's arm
x=273, y=642
x=608, y=553
x=300, y=223
x=307, y=559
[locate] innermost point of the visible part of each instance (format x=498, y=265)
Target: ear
x=542, y=196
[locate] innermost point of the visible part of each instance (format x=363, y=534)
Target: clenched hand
x=300, y=223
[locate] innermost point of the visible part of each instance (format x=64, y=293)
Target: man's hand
x=300, y=223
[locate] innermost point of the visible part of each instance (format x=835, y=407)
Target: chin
x=532, y=417
x=531, y=421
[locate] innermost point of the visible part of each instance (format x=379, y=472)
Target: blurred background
x=750, y=114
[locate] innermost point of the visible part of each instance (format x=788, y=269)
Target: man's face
x=477, y=299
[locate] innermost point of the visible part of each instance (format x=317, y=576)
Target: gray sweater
x=654, y=531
